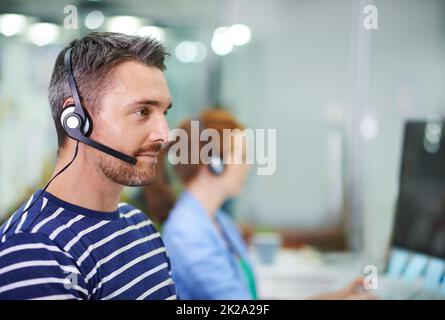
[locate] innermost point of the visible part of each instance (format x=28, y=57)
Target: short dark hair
x=93, y=58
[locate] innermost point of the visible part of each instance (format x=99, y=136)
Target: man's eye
x=142, y=112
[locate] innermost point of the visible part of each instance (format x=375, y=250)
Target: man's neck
x=85, y=186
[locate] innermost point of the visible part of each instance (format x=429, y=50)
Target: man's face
x=131, y=119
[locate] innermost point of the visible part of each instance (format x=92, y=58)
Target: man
x=74, y=240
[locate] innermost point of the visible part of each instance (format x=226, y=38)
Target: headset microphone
x=76, y=123
x=75, y=120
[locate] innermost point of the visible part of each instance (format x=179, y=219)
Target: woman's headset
x=216, y=163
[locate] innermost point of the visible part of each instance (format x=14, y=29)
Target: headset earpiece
x=216, y=166
x=72, y=121
x=76, y=121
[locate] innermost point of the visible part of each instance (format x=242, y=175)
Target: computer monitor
x=419, y=224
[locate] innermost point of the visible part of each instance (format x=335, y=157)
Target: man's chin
x=132, y=179
x=141, y=180
x=141, y=174
x=139, y=183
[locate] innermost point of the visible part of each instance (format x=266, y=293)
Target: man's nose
x=159, y=129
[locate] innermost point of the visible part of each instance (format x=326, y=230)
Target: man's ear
x=68, y=102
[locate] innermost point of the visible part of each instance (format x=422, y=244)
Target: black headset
x=216, y=163
x=76, y=122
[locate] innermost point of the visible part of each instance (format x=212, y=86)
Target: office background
x=336, y=93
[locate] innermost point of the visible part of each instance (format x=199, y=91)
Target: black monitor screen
x=420, y=218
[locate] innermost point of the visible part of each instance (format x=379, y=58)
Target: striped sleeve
x=33, y=267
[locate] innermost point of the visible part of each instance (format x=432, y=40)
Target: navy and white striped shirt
x=69, y=252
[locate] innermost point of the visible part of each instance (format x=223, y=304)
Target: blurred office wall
x=406, y=82
x=302, y=80
x=295, y=74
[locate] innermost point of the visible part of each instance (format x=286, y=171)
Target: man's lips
x=148, y=154
x=152, y=157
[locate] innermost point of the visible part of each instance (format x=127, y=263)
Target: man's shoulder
x=18, y=242
x=27, y=226
x=27, y=218
x=125, y=207
x=136, y=217
x=127, y=210
x=40, y=219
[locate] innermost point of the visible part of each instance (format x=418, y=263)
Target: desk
x=303, y=273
